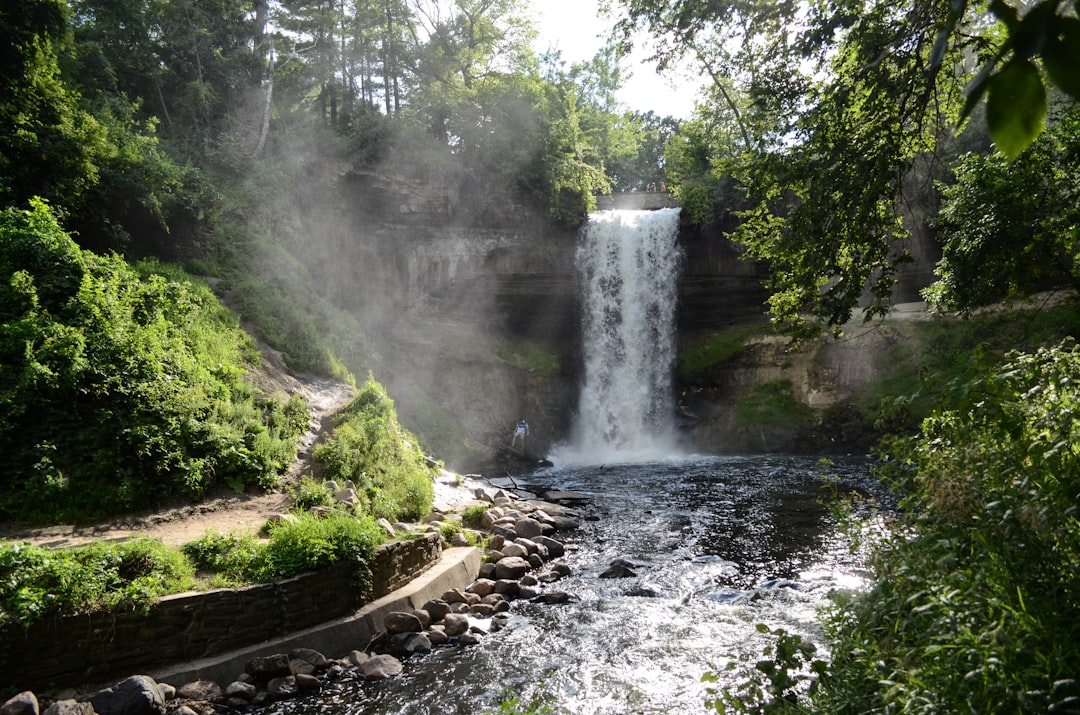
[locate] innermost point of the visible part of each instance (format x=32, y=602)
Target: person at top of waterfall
x=522, y=431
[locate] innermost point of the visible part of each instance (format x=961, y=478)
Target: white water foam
x=630, y=264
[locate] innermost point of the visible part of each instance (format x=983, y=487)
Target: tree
x=1009, y=228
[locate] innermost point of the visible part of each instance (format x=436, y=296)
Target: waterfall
x=630, y=265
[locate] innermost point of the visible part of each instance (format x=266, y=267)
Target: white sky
x=574, y=28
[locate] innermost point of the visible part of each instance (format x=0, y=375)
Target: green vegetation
x=371, y=449
x=38, y=583
x=471, y=516
x=706, y=353
x=976, y=595
x=773, y=405
x=122, y=386
x=531, y=359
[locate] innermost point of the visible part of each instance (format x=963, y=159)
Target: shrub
x=977, y=594
x=309, y=492
x=37, y=582
x=369, y=447
x=121, y=386
x=311, y=542
x=472, y=515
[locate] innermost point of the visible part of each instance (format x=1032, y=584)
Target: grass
x=704, y=354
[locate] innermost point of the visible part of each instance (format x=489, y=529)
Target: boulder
x=514, y=549
x=508, y=588
x=455, y=595
x=424, y=616
x=553, y=597
x=455, y=624
x=308, y=683
x=200, y=690
x=387, y=527
x=402, y=622
x=555, y=548
x=506, y=532
x=270, y=666
x=487, y=570
x=535, y=561
x=437, y=608
x=406, y=645
x=512, y=567
x=137, y=695
x=482, y=610
x=481, y=587
x=237, y=689
x=358, y=657
x=437, y=636
x=528, y=528
x=618, y=570
x=380, y=668
x=282, y=687
x=24, y=703
x=69, y=707
x=468, y=639
x=459, y=539
x=496, y=542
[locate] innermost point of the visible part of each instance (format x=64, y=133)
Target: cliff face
x=472, y=302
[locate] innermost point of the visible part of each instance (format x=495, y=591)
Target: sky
x=574, y=28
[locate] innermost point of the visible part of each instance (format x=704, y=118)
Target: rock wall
x=97, y=647
x=455, y=282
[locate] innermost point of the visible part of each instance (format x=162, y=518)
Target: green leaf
x=1061, y=56
x=1015, y=107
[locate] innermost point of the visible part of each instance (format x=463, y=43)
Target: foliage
x=776, y=684
x=38, y=583
x=714, y=350
x=974, y=592
x=310, y=542
x=369, y=447
x=228, y=557
x=530, y=358
x=772, y=404
x=1009, y=228
x=471, y=516
x=309, y=492
x=119, y=390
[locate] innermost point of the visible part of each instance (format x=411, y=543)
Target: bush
x=371, y=449
x=38, y=583
x=311, y=542
x=121, y=387
x=977, y=594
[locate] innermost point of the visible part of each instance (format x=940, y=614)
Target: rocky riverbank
x=521, y=562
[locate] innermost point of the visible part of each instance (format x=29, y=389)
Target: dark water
x=719, y=544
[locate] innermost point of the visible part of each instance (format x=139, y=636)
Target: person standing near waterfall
x=522, y=430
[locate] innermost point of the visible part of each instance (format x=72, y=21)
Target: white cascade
x=630, y=263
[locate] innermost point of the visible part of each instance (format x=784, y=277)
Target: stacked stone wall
x=97, y=647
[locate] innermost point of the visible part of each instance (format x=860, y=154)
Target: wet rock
x=528, y=528
x=308, y=683
x=561, y=569
x=283, y=687
x=455, y=624
x=514, y=549
x=548, y=576
x=206, y=690
x=270, y=666
x=459, y=608
x=482, y=610
x=528, y=592
x=535, y=561
x=24, y=703
x=402, y=622
x=553, y=597
x=423, y=616
x=437, y=636
x=438, y=609
x=454, y=595
x=68, y=707
x=508, y=588
x=499, y=621
x=481, y=587
x=555, y=548
x=512, y=567
x=185, y=710
x=137, y=695
x=358, y=657
x=564, y=523
x=381, y=667
x=468, y=639
x=618, y=569
x=646, y=590
x=528, y=580
x=406, y=645
x=236, y=689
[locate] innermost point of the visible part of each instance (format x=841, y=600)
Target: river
x=719, y=544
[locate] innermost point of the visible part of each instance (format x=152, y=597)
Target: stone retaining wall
x=93, y=648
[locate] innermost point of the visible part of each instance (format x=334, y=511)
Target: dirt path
x=224, y=511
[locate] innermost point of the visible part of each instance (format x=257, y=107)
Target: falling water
x=630, y=264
